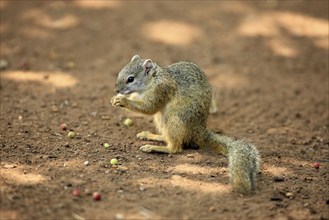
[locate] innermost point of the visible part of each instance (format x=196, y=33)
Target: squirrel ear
x=148, y=65
x=136, y=57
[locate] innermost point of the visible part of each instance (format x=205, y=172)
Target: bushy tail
x=243, y=158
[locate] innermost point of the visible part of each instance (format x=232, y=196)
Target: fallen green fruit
x=71, y=135
x=128, y=122
x=114, y=161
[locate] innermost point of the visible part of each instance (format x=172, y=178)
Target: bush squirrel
x=179, y=96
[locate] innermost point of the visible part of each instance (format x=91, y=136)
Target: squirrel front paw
x=119, y=100
x=143, y=135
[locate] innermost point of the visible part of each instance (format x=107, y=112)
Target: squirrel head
x=135, y=76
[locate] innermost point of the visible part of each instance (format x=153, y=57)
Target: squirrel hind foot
x=144, y=135
x=160, y=149
x=146, y=148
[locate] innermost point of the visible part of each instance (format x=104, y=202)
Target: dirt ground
x=266, y=60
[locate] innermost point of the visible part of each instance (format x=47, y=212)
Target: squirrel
x=179, y=97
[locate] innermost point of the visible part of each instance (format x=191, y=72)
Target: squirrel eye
x=130, y=79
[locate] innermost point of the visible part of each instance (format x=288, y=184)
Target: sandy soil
x=267, y=61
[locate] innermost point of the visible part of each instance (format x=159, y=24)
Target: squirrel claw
x=118, y=101
x=143, y=135
x=146, y=148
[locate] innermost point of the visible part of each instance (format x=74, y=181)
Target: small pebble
x=70, y=65
x=54, y=108
x=276, y=197
x=9, y=166
x=289, y=194
x=88, y=192
x=3, y=64
x=142, y=188
x=106, y=145
x=308, y=179
x=105, y=117
x=212, y=209
x=278, y=179
x=119, y=216
x=86, y=163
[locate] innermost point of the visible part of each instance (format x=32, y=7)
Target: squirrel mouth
x=124, y=91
